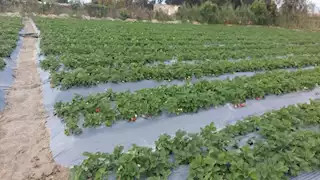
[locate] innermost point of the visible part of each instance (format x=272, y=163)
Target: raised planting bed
x=276, y=145
x=10, y=27
x=85, y=53
x=93, y=74
x=108, y=107
x=9, y=49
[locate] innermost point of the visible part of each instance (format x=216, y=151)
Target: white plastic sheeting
x=80, y=1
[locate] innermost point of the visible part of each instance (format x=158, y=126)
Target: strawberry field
x=97, y=109
x=8, y=37
x=188, y=62
x=282, y=144
x=85, y=53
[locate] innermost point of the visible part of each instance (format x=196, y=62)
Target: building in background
x=80, y=1
x=168, y=9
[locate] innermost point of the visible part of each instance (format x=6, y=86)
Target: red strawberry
x=258, y=98
x=242, y=105
x=97, y=110
x=133, y=119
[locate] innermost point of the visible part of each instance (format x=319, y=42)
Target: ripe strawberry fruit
x=133, y=119
x=97, y=110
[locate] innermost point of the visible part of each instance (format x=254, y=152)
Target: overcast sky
x=317, y=2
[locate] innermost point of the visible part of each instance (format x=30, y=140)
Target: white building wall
x=168, y=9
x=80, y=1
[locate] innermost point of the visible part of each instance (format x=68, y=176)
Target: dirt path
x=24, y=139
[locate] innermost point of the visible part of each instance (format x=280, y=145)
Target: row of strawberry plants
x=105, y=108
x=121, y=55
x=93, y=74
x=144, y=42
x=8, y=36
x=283, y=146
x=145, y=56
x=72, y=61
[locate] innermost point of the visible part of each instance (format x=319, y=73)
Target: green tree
x=259, y=8
x=208, y=12
x=294, y=6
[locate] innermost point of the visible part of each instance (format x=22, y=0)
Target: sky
x=316, y=2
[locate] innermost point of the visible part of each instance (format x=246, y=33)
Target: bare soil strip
x=24, y=140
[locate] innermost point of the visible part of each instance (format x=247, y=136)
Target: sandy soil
x=24, y=139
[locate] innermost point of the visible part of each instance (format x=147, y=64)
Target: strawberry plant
x=285, y=148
